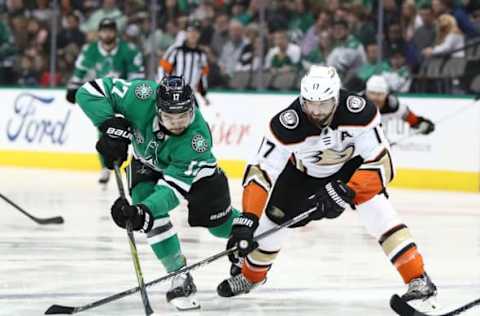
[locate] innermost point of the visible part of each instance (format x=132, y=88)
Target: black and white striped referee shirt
x=191, y=63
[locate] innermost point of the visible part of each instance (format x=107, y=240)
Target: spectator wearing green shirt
x=7, y=54
x=284, y=56
x=356, y=80
x=348, y=53
x=301, y=18
x=317, y=55
x=398, y=76
x=108, y=10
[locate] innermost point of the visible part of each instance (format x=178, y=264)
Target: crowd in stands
x=297, y=33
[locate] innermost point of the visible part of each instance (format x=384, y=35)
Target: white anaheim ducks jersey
x=393, y=109
x=354, y=132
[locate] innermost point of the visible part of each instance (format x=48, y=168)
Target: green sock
x=169, y=253
x=224, y=230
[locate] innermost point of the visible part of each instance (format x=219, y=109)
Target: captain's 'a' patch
x=355, y=104
x=199, y=143
x=289, y=119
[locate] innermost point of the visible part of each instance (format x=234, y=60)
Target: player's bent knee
x=221, y=231
x=378, y=215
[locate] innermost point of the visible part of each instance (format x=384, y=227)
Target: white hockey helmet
x=377, y=84
x=320, y=83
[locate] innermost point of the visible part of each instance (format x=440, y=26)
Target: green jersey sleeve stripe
x=97, y=87
x=97, y=90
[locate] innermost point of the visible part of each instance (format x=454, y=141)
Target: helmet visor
x=319, y=112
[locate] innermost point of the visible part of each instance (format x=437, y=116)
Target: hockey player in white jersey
x=390, y=108
x=326, y=150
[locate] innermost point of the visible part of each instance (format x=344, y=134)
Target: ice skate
x=182, y=293
x=236, y=285
x=421, y=294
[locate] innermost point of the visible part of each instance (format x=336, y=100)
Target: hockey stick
x=133, y=248
x=41, y=221
x=402, y=308
x=60, y=309
x=440, y=121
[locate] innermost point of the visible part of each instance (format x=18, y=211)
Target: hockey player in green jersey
x=107, y=57
x=172, y=160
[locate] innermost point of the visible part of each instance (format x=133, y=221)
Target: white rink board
x=41, y=120
x=238, y=122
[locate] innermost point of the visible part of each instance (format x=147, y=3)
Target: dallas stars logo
x=199, y=143
x=143, y=91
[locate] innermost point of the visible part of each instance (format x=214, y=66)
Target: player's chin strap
x=61, y=309
x=440, y=121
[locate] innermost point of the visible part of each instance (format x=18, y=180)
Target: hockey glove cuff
x=331, y=200
x=139, y=215
x=424, y=126
x=71, y=95
x=113, y=144
x=243, y=228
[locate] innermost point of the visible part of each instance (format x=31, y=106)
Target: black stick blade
x=51, y=220
x=60, y=309
x=402, y=308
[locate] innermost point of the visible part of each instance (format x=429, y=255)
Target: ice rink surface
x=327, y=268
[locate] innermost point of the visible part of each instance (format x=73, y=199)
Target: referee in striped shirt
x=188, y=60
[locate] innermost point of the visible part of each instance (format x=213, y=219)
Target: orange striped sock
x=410, y=264
x=254, y=273
x=399, y=246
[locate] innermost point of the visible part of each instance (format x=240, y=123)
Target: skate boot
x=421, y=294
x=182, y=293
x=420, y=288
x=236, y=285
x=104, y=176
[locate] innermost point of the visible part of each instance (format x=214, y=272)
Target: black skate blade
x=402, y=308
x=60, y=309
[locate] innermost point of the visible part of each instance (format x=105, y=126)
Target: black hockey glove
x=331, y=200
x=139, y=215
x=71, y=95
x=424, y=126
x=243, y=228
x=113, y=144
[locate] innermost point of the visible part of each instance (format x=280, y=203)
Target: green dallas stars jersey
x=183, y=159
x=124, y=61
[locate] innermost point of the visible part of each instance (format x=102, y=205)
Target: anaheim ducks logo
x=332, y=157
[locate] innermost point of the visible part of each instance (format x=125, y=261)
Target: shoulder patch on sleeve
x=143, y=91
x=354, y=110
x=289, y=119
x=355, y=104
x=199, y=143
x=290, y=126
